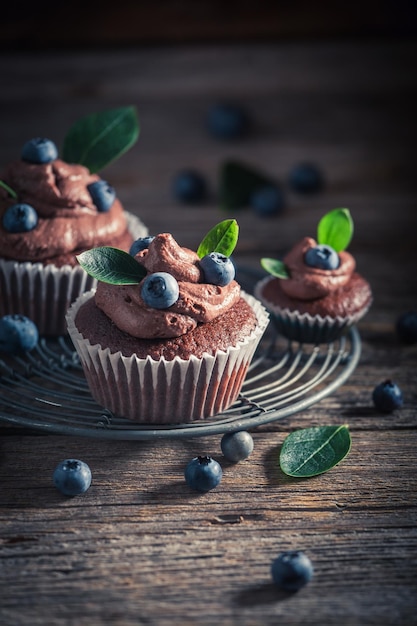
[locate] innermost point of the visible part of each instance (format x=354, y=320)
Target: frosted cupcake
x=315, y=294
x=52, y=209
x=173, y=344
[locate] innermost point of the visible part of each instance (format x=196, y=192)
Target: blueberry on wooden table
x=39, y=150
x=387, y=396
x=236, y=446
x=18, y=334
x=203, y=473
x=305, y=178
x=267, y=201
x=406, y=327
x=189, y=186
x=291, y=570
x=227, y=121
x=72, y=477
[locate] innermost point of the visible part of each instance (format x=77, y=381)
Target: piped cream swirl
x=198, y=302
x=309, y=283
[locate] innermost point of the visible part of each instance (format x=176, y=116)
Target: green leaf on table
x=111, y=265
x=238, y=181
x=275, y=267
x=9, y=190
x=335, y=229
x=311, y=451
x=222, y=238
x=100, y=138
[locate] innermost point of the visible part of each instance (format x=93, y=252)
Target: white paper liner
x=44, y=292
x=164, y=392
x=303, y=327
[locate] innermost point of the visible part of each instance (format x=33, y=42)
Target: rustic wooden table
x=139, y=547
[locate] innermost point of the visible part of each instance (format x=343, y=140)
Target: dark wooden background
x=139, y=547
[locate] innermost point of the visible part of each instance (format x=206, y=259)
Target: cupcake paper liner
x=161, y=391
x=44, y=292
x=303, y=327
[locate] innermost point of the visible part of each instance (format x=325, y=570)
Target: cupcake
x=315, y=294
x=52, y=209
x=168, y=335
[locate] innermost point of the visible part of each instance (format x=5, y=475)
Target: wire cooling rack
x=46, y=389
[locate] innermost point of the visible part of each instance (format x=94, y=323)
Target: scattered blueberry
x=20, y=218
x=160, y=290
x=406, y=327
x=291, y=570
x=17, y=334
x=72, y=477
x=227, y=121
x=189, y=186
x=237, y=446
x=140, y=244
x=267, y=201
x=203, y=473
x=102, y=194
x=39, y=150
x=305, y=178
x=218, y=269
x=387, y=396
x=323, y=257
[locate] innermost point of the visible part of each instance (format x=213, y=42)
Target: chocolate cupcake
x=315, y=294
x=51, y=210
x=174, y=346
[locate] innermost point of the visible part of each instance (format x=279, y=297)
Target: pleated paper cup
x=44, y=292
x=161, y=391
x=303, y=327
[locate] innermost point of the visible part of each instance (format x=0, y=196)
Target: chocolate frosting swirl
x=198, y=302
x=309, y=283
x=68, y=219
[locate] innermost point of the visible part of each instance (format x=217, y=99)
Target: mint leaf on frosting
x=9, y=190
x=275, y=267
x=222, y=238
x=335, y=229
x=100, y=138
x=312, y=451
x=111, y=265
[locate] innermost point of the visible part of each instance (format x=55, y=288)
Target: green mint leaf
x=111, y=265
x=100, y=138
x=9, y=190
x=237, y=183
x=222, y=238
x=311, y=451
x=275, y=267
x=335, y=229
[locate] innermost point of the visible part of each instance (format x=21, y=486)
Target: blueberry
x=160, y=290
x=267, y=201
x=305, y=178
x=323, y=257
x=140, y=244
x=39, y=150
x=237, y=446
x=387, y=396
x=20, y=218
x=227, y=121
x=72, y=477
x=217, y=268
x=102, y=194
x=203, y=473
x=189, y=186
x=406, y=327
x=291, y=570
x=17, y=334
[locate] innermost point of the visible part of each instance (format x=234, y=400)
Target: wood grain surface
x=140, y=547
